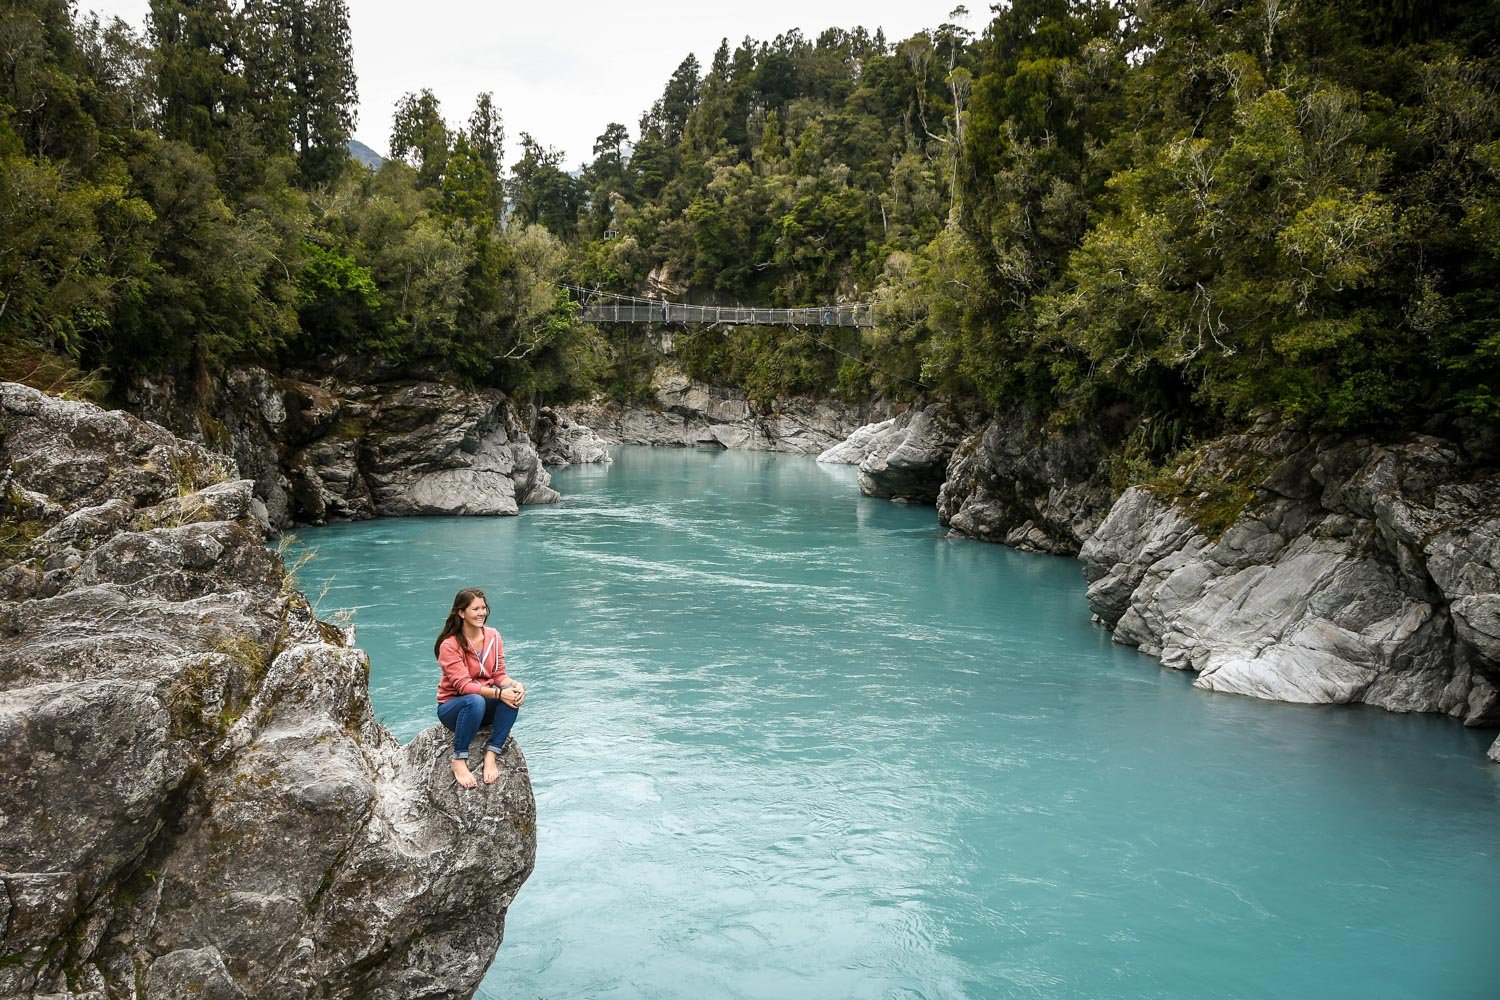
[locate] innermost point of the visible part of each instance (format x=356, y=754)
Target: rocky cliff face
x=1013, y=480
x=1021, y=483
x=1315, y=570
x=687, y=413
x=197, y=798
x=330, y=446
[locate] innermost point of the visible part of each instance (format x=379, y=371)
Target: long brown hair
x=455, y=624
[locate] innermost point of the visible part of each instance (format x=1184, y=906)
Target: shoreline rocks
x=904, y=459
x=323, y=446
x=1011, y=481
x=199, y=800
x=1032, y=488
x=1284, y=567
x=1353, y=571
x=687, y=413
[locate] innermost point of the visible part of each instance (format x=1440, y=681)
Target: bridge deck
x=857, y=314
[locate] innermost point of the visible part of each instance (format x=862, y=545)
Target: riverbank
x=353, y=440
x=683, y=412
x=1275, y=563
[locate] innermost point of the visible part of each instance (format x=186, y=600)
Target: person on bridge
x=475, y=690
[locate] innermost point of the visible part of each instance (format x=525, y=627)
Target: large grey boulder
x=1353, y=571
x=432, y=448
x=908, y=459
x=561, y=440
x=411, y=448
x=861, y=443
x=198, y=800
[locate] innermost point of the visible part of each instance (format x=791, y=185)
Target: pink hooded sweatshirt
x=465, y=671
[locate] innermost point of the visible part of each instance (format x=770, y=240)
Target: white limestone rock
x=561, y=440
x=859, y=445
x=1362, y=573
x=908, y=460
x=683, y=412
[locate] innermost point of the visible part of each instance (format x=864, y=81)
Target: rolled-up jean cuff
x=494, y=749
x=461, y=756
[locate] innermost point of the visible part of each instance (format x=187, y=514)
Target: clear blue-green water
x=790, y=742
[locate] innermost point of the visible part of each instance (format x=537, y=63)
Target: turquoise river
x=790, y=742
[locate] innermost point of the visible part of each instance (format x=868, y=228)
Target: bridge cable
x=862, y=361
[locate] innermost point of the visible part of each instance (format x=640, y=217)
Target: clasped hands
x=512, y=693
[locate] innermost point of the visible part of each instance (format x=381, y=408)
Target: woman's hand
x=513, y=695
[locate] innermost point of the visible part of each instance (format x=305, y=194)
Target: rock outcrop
x=905, y=458
x=1031, y=487
x=861, y=443
x=686, y=413
x=1315, y=570
x=326, y=446
x=561, y=440
x=198, y=800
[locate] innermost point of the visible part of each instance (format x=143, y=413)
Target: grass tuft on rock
x=1212, y=496
x=53, y=373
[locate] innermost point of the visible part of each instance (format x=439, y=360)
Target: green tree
x=49, y=292
x=468, y=190
x=606, y=178
x=337, y=299
x=672, y=111
x=487, y=141
x=299, y=66
x=419, y=135
x=200, y=91
x=541, y=192
x=221, y=285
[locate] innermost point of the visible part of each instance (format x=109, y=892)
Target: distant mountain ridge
x=364, y=154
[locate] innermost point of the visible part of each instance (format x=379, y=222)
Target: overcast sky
x=564, y=70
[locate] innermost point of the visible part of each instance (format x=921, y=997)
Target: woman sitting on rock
x=474, y=690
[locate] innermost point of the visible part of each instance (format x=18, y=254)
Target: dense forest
x=1194, y=209
x=184, y=201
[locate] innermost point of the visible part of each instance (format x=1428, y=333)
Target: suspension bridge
x=612, y=307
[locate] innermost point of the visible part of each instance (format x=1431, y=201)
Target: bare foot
x=491, y=769
x=463, y=775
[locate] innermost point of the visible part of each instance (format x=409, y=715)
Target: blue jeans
x=467, y=714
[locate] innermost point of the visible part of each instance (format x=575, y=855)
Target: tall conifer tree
x=300, y=72
x=199, y=85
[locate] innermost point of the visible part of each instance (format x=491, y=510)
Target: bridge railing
x=852, y=314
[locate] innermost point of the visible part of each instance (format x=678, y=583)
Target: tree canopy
x=181, y=202
x=1210, y=208
x=1203, y=208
